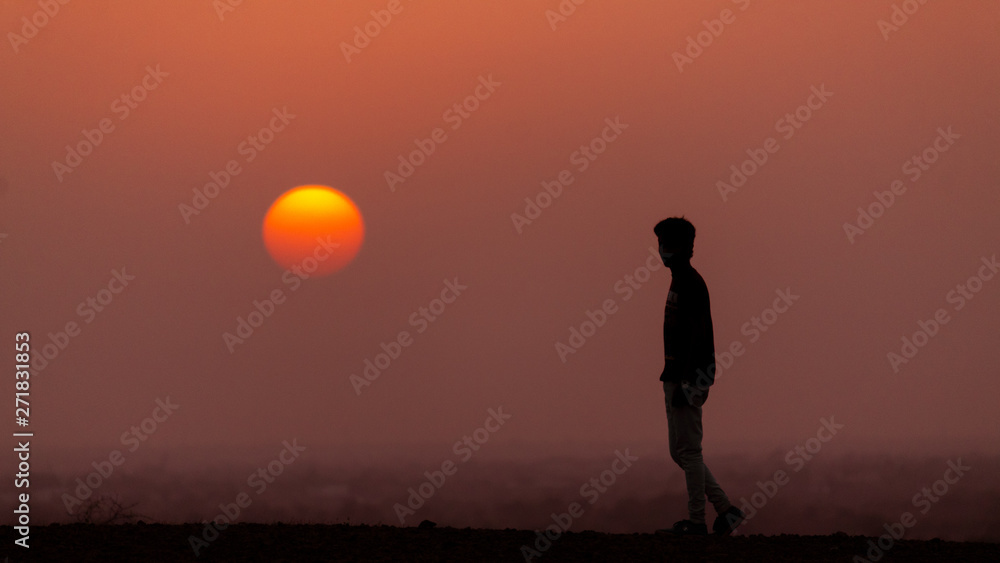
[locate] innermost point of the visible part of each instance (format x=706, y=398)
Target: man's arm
x=702, y=341
x=698, y=344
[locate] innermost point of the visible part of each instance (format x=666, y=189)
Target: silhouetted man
x=689, y=370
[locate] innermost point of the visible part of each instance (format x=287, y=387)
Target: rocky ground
x=298, y=542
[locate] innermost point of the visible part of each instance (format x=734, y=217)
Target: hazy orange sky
x=546, y=88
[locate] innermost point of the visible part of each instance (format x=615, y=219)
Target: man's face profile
x=668, y=250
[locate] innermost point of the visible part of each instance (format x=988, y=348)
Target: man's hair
x=676, y=230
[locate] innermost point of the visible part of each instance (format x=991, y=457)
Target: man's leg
x=668, y=389
x=685, y=449
x=715, y=494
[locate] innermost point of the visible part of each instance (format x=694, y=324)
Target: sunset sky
x=847, y=104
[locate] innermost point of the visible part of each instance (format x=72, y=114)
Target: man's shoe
x=687, y=528
x=728, y=521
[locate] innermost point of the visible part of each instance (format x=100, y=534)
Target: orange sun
x=315, y=229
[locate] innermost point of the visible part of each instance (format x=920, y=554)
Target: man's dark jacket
x=688, y=340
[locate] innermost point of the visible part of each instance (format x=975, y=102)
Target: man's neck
x=680, y=267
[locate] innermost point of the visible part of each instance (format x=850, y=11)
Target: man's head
x=676, y=237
